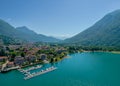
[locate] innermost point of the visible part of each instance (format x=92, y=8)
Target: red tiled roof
x=9, y=63
x=3, y=57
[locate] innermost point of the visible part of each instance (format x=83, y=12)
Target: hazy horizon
x=61, y=19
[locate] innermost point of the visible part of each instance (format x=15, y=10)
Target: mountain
x=23, y=33
x=7, y=29
x=30, y=35
x=106, y=32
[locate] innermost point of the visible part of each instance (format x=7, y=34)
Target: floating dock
x=29, y=69
x=33, y=68
x=29, y=75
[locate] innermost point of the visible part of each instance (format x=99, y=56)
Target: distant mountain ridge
x=106, y=32
x=23, y=33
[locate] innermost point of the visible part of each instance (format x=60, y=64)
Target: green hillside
x=8, y=40
x=106, y=32
x=23, y=33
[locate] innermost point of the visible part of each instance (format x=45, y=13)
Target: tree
x=13, y=55
x=22, y=54
x=2, y=52
x=7, y=48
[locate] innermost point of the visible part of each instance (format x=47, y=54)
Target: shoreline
x=114, y=52
x=68, y=56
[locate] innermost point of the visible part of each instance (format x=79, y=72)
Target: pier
x=40, y=72
x=29, y=69
x=29, y=75
x=34, y=68
x=9, y=69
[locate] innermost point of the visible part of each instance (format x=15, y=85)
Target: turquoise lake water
x=85, y=69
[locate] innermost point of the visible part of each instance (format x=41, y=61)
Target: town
x=23, y=55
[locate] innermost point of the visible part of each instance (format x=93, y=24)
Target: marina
x=34, y=68
x=29, y=75
x=29, y=69
x=85, y=69
x=39, y=73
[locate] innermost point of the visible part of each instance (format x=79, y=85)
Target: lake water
x=85, y=69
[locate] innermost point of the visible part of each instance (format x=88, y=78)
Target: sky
x=58, y=18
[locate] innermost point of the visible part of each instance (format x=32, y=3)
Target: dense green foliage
x=2, y=52
x=8, y=40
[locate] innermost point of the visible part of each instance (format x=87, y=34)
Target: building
x=10, y=64
x=30, y=58
x=19, y=60
x=43, y=57
x=3, y=58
